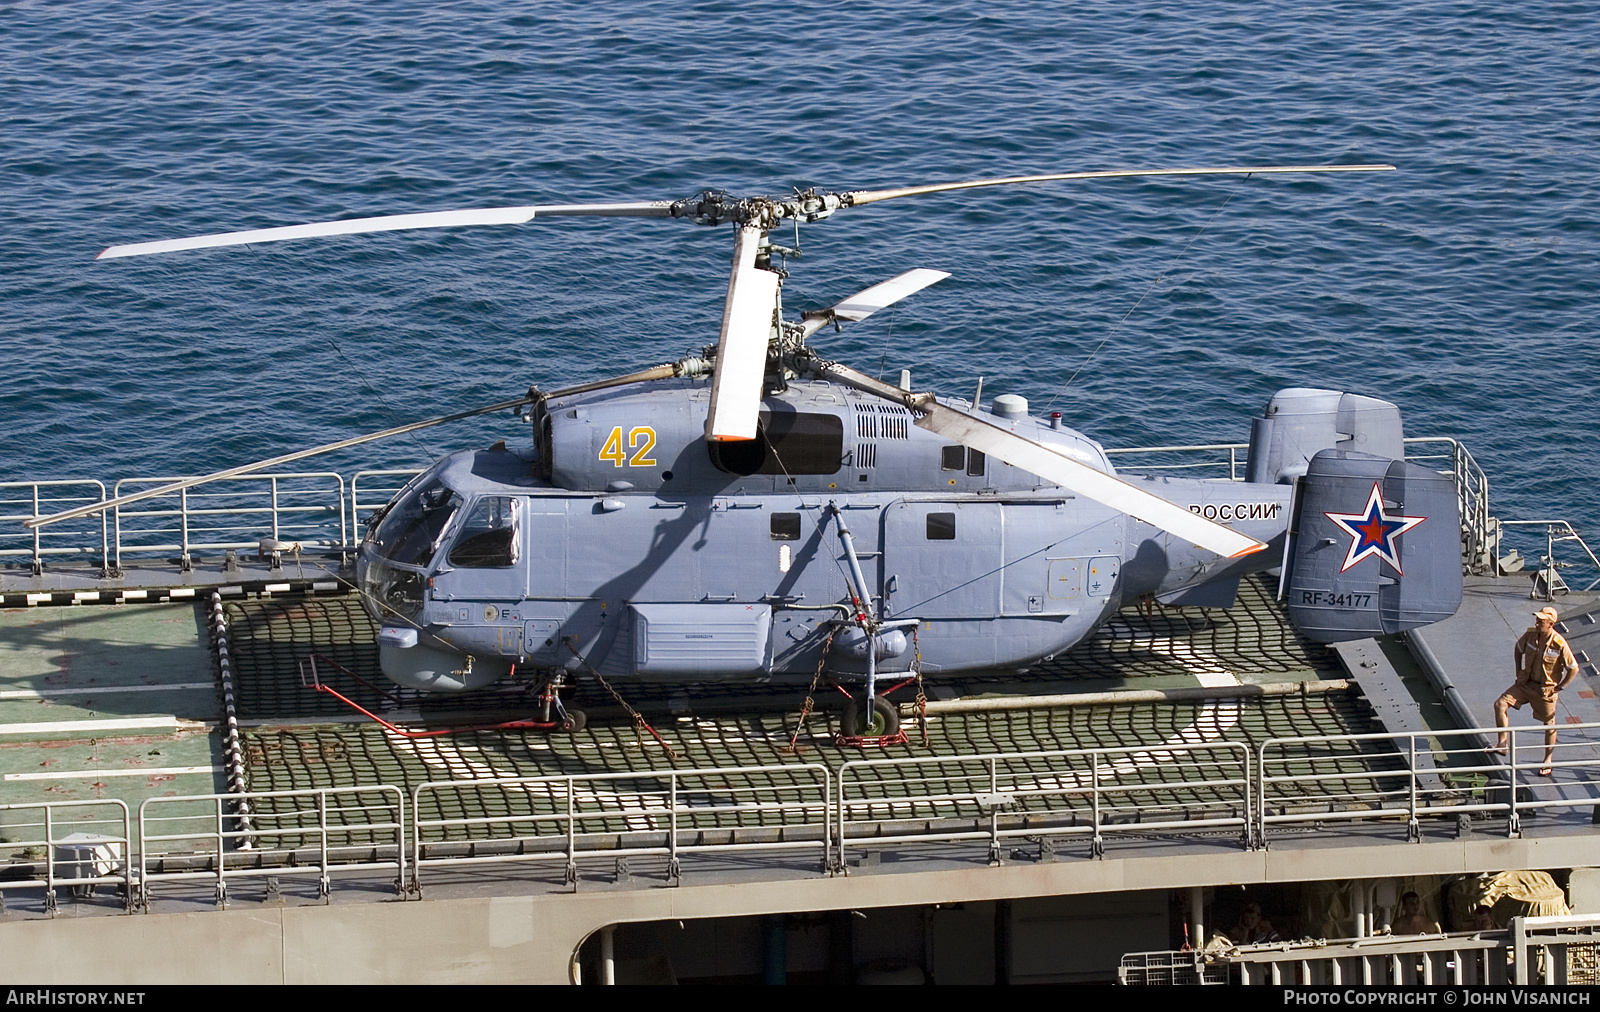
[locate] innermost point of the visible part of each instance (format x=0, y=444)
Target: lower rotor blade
x=869, y=300
x=1054, y=466
x=393, y=223
x=273, y=462
x=741, y=365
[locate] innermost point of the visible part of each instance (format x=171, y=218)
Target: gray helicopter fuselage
x=623, y=540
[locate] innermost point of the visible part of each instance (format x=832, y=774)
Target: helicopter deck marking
x=64, y=726
x=139, y=771
x=100, y=690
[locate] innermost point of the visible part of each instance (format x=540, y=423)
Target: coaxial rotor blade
x=741, y=365
x=869, y=300
x=858, y=197
x=271, y=462
x=1054, y=466
x=395, y=222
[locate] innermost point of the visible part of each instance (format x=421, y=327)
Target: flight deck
x=177, y=751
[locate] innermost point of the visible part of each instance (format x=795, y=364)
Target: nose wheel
x=555, y=716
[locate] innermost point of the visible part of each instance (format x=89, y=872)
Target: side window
x=941, y=526
x=488, y=538
x=954, y=458
x=786, y=527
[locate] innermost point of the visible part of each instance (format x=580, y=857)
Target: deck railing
x=79, y=845
x=661, y=813
x=1330, y=779
x=1563, y=951
x=305, y=509
x=320, y=831
x=287, y=507
x=313, y=509
x=988, y=803
x=1001, y=798
x=23, y=500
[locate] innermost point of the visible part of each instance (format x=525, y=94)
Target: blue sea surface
x=1461, y=287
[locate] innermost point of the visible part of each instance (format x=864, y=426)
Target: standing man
x=1544, y=665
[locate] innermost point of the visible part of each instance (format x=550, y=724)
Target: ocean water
x=1463, y=286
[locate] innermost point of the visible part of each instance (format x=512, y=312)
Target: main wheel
x=883, y=721
x=576, y=721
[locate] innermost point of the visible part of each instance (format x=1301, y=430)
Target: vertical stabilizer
x=1376, y=547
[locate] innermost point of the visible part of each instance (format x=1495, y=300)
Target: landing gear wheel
x=575, y=721
x=885, y=719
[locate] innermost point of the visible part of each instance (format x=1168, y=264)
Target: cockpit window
x=488, y=538
x=411, y=531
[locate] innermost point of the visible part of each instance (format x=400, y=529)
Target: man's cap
x=1549, y=613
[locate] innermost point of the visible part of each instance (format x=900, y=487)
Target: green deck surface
x=76, y=683
x=71, y=664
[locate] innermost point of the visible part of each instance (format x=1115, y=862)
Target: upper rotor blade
x=1055, y=466
x=857, y=197
x=869, y=300
x=394, y=222
x=272, y=462
x=741, y=365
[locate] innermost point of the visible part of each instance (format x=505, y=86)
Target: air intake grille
x=882, y=421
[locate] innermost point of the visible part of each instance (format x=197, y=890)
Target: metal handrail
x=248, y=851
x=246, y=535
x=1393, y=783
x=556, y=826
x=1460, y=957
x=1543, y=945
x=1233, y=456
x=990, y=799
x=1065, y=785
x=36, y=506
x=51, y=823
x=1480, y=532
x=1558, y=532
x=357, y=506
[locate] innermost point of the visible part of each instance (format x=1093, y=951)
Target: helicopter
x=759, y=512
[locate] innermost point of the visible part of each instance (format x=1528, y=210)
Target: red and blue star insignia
x=1373, y=532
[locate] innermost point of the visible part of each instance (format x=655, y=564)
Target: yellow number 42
x=641, y=440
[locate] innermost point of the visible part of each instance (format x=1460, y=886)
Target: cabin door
x=942, y=560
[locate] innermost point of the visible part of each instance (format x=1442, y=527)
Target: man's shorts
x=1543, y=707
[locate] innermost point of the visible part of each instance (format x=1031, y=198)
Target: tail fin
x=1375, y=547
x=1374, y=542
